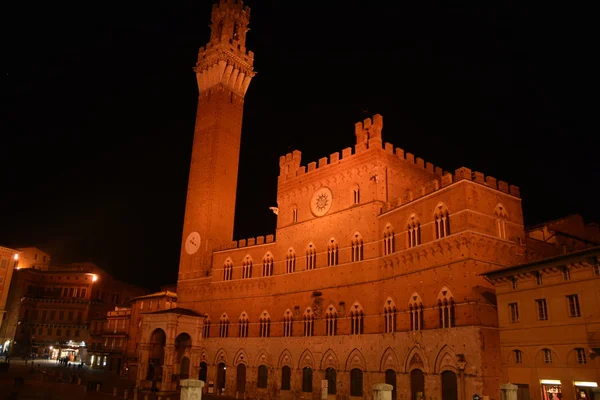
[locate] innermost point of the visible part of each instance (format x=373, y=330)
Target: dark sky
x=99, y=107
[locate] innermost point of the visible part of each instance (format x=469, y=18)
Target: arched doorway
x=203, y=371
x=158, y=339
x=183, y=344
x=330, y=375
x=390, y=379
x=417, y=385
x=185, y=368
x=241, y=378
x=449, y=386
x=221, y=371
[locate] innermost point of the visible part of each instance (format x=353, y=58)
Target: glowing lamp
x=16, y=256
x=94, y=278
x=586, y=384
x=550, y=382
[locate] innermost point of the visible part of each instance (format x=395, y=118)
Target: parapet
x=368, y=133
x=248, y=242
x=232, y=4
x=448, y=178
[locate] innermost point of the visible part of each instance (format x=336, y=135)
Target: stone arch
x=389, y=360
x=307, y=360
x=203, y=356
x=356, y=360
x=415, y=359
x=221, y=357
x=330, y=360
x=262, y=358
x=446, y=360
x=241, y=357
x=285, y=359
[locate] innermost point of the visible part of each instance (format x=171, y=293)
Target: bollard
x=97, y=387
x=145, y=397
x=125, y=394
x=79, y=381
x=84, y=388
x=115, y=392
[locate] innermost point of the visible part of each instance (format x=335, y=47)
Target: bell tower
x=224, y=70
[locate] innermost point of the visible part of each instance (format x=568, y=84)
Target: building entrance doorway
x=221, y=371
x=417, y=385
x=449, y=386
x=241, y=378
x=390, y=379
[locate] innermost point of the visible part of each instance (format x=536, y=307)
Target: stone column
x=382, y=391
x=143, y=356
x=168, y=367
x=191, y=389
x=508, y=391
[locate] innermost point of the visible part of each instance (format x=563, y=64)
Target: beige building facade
x=374, y=273
x=549, y=318
x=9, y=261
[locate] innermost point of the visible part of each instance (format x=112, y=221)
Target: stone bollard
x=382, y=391
x=97, y=387
x=145, y=397
x=84, y=388
x=115, y=392
x=508, y=391
x=125, y=393
x=79, y=381
x=191, y=389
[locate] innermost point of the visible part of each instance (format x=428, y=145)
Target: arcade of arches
x=263, y=374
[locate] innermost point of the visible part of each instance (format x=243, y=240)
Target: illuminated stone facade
x=374, y=275
x=9, y=261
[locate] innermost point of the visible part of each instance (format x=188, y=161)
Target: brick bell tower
x=224, y=70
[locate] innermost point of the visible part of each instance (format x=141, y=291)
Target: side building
x=49, y=310
x=114, y=339
x=549, y=318
x=9, y=261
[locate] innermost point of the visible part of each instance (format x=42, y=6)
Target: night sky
x=100, y=100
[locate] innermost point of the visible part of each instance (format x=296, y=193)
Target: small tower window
x=356, y=195
x=311, y=257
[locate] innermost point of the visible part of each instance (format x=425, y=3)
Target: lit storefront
x=587, y=390
x=72, y=351
x=551, y=389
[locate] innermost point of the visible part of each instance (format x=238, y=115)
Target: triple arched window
x=414, y=231
x=446, y=309
x=332, y=253
x=265, y=324
x=330, y=321
x=247, y=267
x=501, y=217
x=288, y=323
x=228, y=270
x=268, y=264
x=290, y=261
x=311, y=257
x=309, y=322
x=441, y=219
x=389, y=315
x=415, y=306
x=224, y=325
x=357, y=247
x=357, y=319
x=389, y=245
x=243, y=325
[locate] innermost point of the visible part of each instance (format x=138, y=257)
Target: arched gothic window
x=228, y=270
x=414, y=231
x=247, y=267
x=357, y=318
x=265, y=324
x=243, y=325
x=389, y=314
x=330, y=321
x=357, y=247
x=268, y=264
x=288, y=323
x=311, y=257
x=224, y=325
x=309, y=322
x=389, y=245
x=290, y=261
x=501, y=218
x=415, y=306
x=332, y=252
x=441, y=218
x=446, y=308
x=206, y=326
